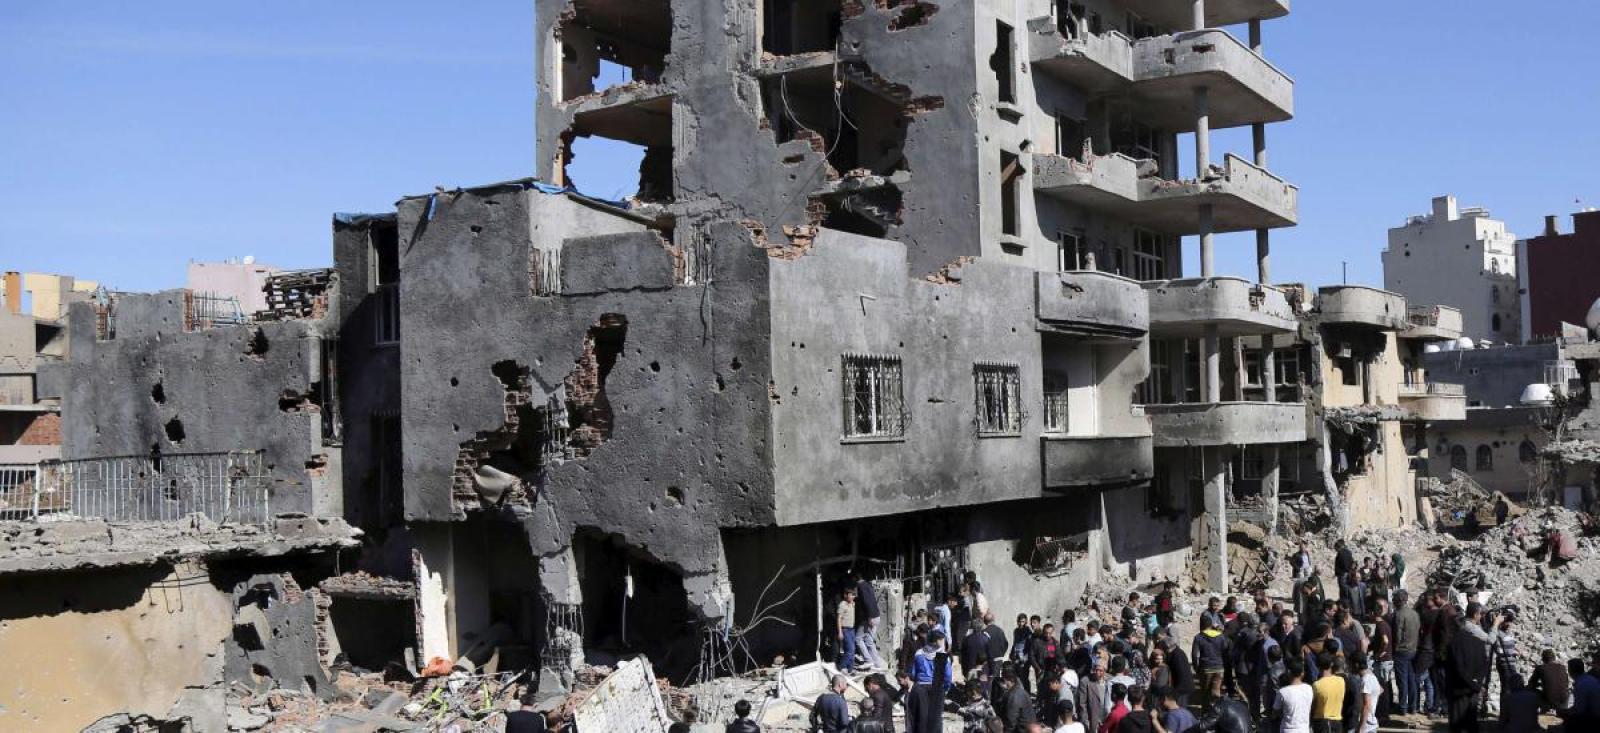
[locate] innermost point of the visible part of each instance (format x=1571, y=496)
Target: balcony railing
x=1432, y=389
x=225, y=487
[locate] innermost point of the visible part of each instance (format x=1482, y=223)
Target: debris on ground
x=1557, y=605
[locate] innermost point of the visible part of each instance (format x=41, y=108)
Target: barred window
x=874, y=406
x=1055, y=402
x=999, y=399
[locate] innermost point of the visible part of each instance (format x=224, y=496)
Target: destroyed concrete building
x=881, y=302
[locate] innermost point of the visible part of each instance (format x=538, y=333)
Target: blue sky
x=135, y=137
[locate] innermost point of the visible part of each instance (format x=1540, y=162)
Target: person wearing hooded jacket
x=1210, y=652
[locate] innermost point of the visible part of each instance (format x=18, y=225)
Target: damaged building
x=879, y=302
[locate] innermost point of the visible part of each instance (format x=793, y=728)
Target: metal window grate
x=874, y=404
x=544, y=271
x=999, y=398
x=225, y=487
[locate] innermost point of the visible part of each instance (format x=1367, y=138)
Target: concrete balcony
x=1358, y=305
x=1227, y=423
x=1075, y=462
x=1237, y=307
x=1091, y=304
x=1104, y=181
x=1169, y=14
x=1432, y=323
x=1094, y=63
x=1243, y=197
x=1434, y=401
x=1242, y=87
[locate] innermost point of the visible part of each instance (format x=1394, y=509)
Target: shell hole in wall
x=174, y=430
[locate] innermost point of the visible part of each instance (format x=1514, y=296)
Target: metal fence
x=225, y=487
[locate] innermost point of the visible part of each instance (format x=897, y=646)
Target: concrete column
x=1202, y=131
x=1263, y=257
x=1268, y=367
x=1258, y=138
x=1269, y=487
x=1211, y=351
x=1215, y=522
x=1180, y=378
x=1208, y=264
x=1199, y=14
x=1255, y=35
x=1238, y=368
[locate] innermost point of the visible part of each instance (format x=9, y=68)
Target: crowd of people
x=1316, y=664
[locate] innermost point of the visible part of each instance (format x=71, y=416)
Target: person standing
x=1407, y=633
x=867, y=614
x=741, y=720
x=1119, y=709
x=1380, y=651
x=1210, y=654
x=1017, y=707
x=1343, y=560
x=1550, y=680
x=1138, y=719
x=1466, y=666
x=845, y=633
x=1174, y=717
x=1327, y=697
x=1371, y=692
x=1165, y=610
x=1183, y=681
x=924, y=703
x=831, y=714
x=1294, y=702
x=1094, y=697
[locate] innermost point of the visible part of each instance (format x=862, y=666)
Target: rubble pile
x=1556, y=607
x=459, y=701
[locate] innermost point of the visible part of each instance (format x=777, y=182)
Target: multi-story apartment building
x=883, y=301
x=1461, y=258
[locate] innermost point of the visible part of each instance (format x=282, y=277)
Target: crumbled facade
x=877, y=305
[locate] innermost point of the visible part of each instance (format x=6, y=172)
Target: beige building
x=1462, y=258
x=32, y=331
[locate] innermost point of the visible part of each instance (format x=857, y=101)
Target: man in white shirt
x=1371, y=690
x=1293, y=704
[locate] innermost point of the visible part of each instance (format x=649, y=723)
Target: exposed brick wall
x=44, y=430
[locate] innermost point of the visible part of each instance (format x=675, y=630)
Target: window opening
x=999, y=402
x=874, y=405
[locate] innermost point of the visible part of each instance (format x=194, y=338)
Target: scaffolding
x=210, y=310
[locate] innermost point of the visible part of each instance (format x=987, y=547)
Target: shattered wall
x=155, y=386
x=850, y=295
x=682, y=449
x=159, y=628
x=720, y=93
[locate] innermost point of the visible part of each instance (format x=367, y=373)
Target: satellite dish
x=249, y=259
x=1592, y=320
x=1465, y=344
x=1537, y=394
x=1430, y=348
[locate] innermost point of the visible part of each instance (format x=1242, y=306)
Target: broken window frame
x=386, y=315
x=1070, y=135
x=1458, y=458
x=1252, y=463
x=1153, y=390
x=1148, y=254
x=873, y=397
x=1483, y=459
x=1011, y=173
x=1069, y=251
x=1003, y=63
x=997, y=399
x=1056, y=404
